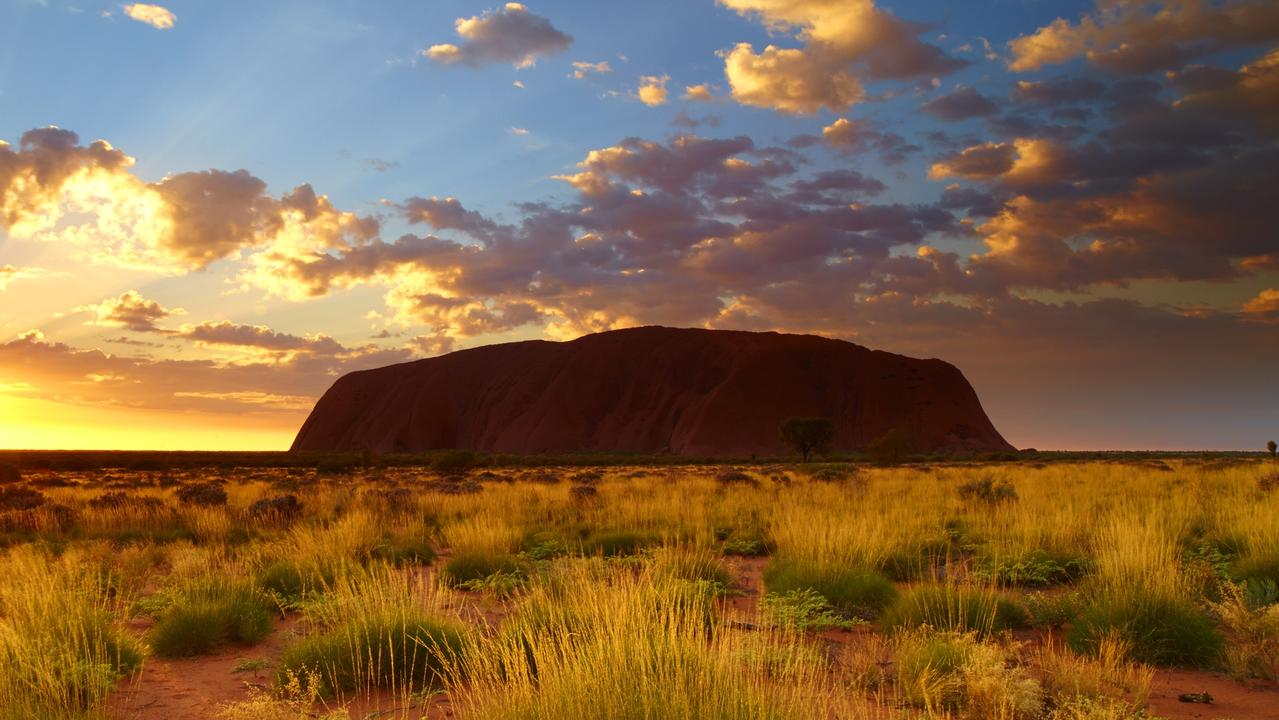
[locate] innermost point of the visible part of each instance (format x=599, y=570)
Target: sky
x=210, y=211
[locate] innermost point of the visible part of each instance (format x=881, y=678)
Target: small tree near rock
x=1273, y=448
x=808, y=435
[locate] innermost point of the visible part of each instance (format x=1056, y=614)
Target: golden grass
x=648, y=635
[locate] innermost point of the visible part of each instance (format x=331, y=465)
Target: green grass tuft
x=209, y=614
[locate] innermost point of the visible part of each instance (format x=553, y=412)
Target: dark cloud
x=511, y=34
x=961, y=104
x=130, y=310
x=1059, y=91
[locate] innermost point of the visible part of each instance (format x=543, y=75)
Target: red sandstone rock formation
x=649, y=390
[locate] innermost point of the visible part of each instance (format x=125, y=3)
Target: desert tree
x=1273, y=448
x=807, y=435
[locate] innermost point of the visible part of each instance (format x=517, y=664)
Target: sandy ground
x=194, y=688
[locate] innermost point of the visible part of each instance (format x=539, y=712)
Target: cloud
x=582, y=69
x=156, y=16
x=519, y=131
x=844, y=44
x=856, y=136
x=87, y=200
x=1142, y=36
x=698, y=93
x=131, y=311
x=1059, y=90
x=228, y=334
x=10, y=274
x=1265, y=306
x=652, y=90
x=961, y=104
x=979, y=161
x=284, y=384
x=511, y=34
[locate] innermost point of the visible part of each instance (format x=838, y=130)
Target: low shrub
x=1159, y=631
x=1269, y=482
x=954, y=609
x=289, y=581
x=404, y=550
x=988, y=490
x=21, y=498
x=945, y=672
x=126, y=501
x=617, y=543
x=454, y=462
x=472, y=565
x=583, y=493
x=277, y=509
x=747, y=544
x=694, y=566
x=1252, y=633
x=1032, y=568
x=728, y=478
x=403, y=649
x=850, y=591
x=804, y=609
x=1053, y=610
x=9, y=474
x=202, y=495
x=208, y=614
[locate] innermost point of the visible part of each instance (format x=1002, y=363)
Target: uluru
x=689, y=392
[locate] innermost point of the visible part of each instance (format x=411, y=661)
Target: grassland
x=1027, y=589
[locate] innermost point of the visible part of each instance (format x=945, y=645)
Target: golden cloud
x=156, y=16
x=1140, y=36
x=652, y=90
x=844, y=42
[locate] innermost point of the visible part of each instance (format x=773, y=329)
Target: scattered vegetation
x=606, y=592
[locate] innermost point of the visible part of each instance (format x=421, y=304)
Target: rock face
x=649, y=390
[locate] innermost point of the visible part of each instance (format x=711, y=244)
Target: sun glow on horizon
x=29, y=424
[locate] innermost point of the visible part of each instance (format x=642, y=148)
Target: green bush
x=948, y=608
x=402, y=649
x=848, y=590
x=290, y=581
x=617, y=543
x=209, y=614
x=405, y=551
x=1160, y=631
x=1032, y=568
x=800, y=610
x=471, y=565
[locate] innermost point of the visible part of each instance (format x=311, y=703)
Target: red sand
x=650, y=390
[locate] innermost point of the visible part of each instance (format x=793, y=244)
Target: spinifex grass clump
x=289, y=581
x=473, y=565
x=946, y=672
x=602, y=643
x=850, y=591
x=380, y=628
x=1160, y=630
x=61, y=650
x=617, y=543
x=956, y=609
x=209, y=613
x=1142, y=597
